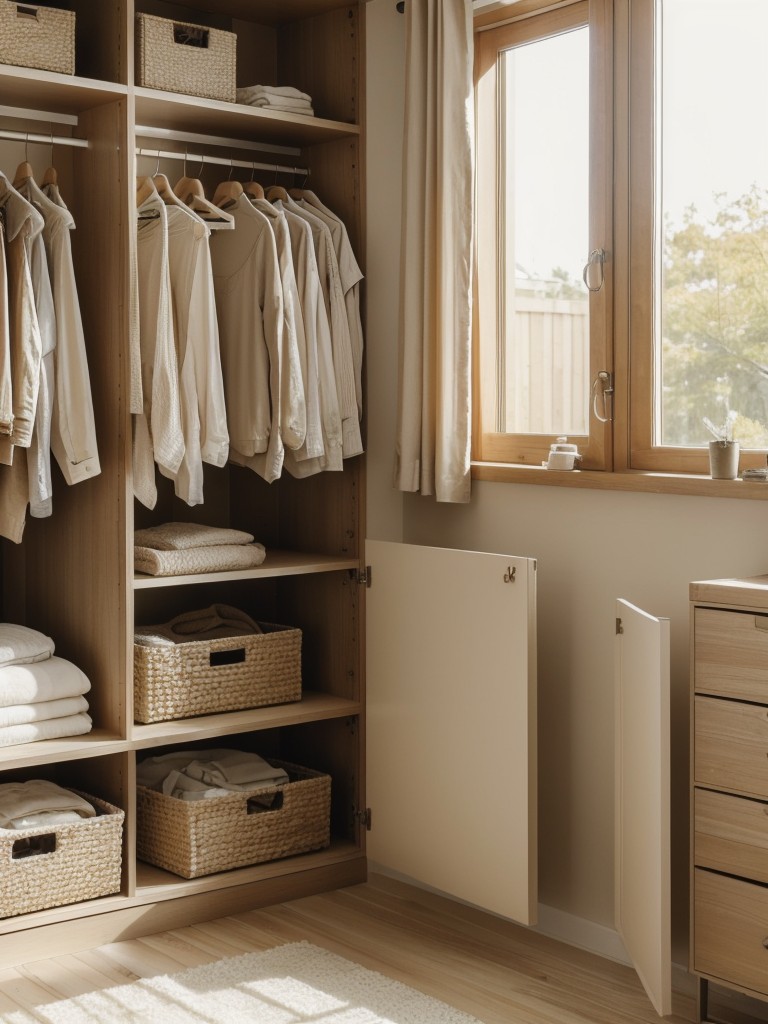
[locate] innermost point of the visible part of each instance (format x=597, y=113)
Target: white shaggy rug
x=292, y=984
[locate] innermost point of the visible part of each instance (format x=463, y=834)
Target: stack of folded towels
x=205, y=774
x=40, y=803
x=178, y=549
x=282, y=98
x=41, y=696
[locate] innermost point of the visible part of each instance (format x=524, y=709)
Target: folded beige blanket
x=51, y=729
x=20, y=645
x=182, y=536
x=38, y=796
x=247, y=93
x=220, y=558
x=23, y=714
x=51, y=679
x=216, y=622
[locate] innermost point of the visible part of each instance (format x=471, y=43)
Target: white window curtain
x=434, y=389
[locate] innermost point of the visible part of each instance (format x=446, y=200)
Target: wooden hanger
x=277, y=192
x=50, y=177
x=145, y=187
x=23, y=171
x=165, y=191
x=191, y=192
x=227, y=192
x=253, y=189
x=296, y=193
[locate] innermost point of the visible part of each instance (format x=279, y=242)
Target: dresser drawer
x=731, y=654
x=730, y=920
x=731, y=745
x=730, y=834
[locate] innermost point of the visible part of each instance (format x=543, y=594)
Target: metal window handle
x=602, y=394
x=596, y=257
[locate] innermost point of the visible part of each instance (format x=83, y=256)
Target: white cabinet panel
x=451, y=722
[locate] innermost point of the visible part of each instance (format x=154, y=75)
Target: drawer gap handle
x=765, y=942
x=761, y=622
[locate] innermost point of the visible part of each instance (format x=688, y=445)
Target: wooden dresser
x=729, y=791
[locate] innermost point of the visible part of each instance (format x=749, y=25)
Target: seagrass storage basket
x=37, y=37
x=199, y=837
x=205, y=677
x=50, y=866
x=180, y=57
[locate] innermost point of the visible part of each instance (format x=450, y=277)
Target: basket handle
x=191, y=35
x=268, y=802
x=231, y=657
x=27, y=12
x=34, y=846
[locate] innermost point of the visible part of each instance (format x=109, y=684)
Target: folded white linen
x=249, y=92
x=218, y=558
x=52, y=679
x=38, y=796
x=283, y=108
x=23, y=714
x=45, y=819
x=203, y=774
x=181, y=536
x=20, y=645
x=51, y=729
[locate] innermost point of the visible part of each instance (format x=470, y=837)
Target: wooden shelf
x=154, y=884
x=277, y=563
x=271, y=12
x=175, y=112
x=96, y=743
x=48, y=90
x=313, y=707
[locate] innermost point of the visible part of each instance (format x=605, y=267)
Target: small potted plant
x=723, y=451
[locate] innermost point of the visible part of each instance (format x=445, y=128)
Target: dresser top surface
x=749, y=591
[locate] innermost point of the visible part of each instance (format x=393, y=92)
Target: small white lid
x=561, y=445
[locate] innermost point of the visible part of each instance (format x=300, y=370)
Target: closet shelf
x=193, y=113
x=62, y=94
x=277, y=563
x=96, y=743
x=155, y=884
x=313, y=707
x=271, y=12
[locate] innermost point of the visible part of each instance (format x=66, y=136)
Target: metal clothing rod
x=213, y=140
x=48, y=140
x=194, y=158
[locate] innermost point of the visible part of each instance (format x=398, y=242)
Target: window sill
x=626, y=480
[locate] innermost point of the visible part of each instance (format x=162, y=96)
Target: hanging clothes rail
x=251, y=165
x=48, y=140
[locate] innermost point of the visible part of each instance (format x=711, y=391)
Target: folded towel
x=44, y=680
x=181, y=536
x=250, y=92
x=23, y=714
x=219, y=621
x=38, y=796
x=283, y=108
x=221, y=558
x=45, y=819
x=51, y=729
x=20, y=645
x=202, y=774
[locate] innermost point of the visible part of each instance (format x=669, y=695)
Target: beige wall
x=592, y=547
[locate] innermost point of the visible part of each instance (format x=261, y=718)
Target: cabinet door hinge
x=619, y=627
x=364, y=818
x=361, y=576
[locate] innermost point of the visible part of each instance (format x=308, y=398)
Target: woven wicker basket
x=206, y=677
x=198, y=837
x=179, y=57
x=37, y=37
x=50, y=866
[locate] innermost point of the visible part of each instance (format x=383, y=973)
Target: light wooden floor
x=497, y=971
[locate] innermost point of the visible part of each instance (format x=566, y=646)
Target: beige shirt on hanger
x=22, y=224
x=73, y=429
x=158, y=435
x=319, y=350
x=249, y=302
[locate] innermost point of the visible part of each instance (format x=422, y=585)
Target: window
x=607, y=146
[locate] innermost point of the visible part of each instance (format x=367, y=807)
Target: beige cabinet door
x=451, y=722
x=643, y=916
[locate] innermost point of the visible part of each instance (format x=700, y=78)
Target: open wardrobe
x=209, y=414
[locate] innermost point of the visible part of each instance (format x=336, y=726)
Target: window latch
x=595, y=258
x=602, y=396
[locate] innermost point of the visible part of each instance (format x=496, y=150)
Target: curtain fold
x=434, y=387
